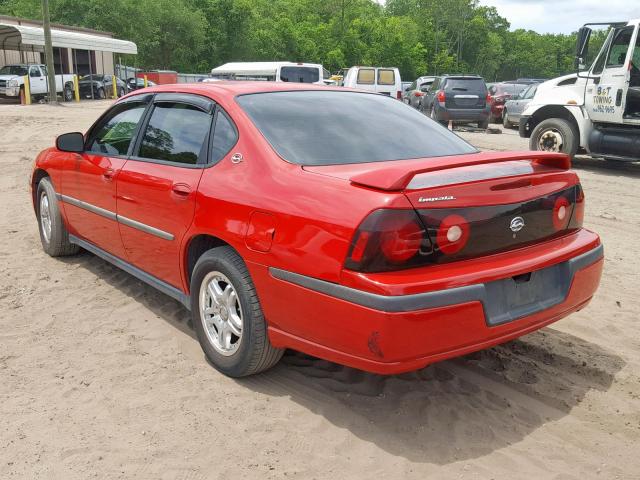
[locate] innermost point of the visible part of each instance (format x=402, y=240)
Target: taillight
x=452, y=234
x=399, y=95
x=440, y=96
x=561, y=213
x=577, y=217
x=488, y=98
x=419, y=94
x=389, y=239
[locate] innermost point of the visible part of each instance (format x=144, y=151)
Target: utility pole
x=48, y=52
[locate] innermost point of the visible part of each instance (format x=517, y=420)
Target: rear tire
x=67, y=93
x=53, y=232
x=101, y=94
x=227, y=316
x=555, y=135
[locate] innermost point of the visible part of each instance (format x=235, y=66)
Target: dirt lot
x=101, y=377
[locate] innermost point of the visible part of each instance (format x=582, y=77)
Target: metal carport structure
x=29, y=38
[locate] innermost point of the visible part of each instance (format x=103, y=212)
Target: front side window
x=176, y=133
x=349, y=128
x=224, y=137
x=114, y=135
x=366, y=76
x=299, y=74
x=619, y=47
x=35, y=72
x=386, y=77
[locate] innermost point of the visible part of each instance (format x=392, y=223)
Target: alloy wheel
x=221, y=313
x=45, y=217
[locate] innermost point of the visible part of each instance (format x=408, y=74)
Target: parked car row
x=468, y=99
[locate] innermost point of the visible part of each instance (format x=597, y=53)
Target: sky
x=563, y=16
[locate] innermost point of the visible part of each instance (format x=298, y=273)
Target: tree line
x=417, y=36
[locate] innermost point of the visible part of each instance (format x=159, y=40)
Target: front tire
x=227, y=316
x=53, y=233
x=555, y=135
x=505, y=120
x=101, y=94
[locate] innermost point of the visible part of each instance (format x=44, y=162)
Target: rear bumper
x=462, y=115
x=393, y=334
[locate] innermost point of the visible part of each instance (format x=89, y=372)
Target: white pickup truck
x=597, y=109
x=12, y=81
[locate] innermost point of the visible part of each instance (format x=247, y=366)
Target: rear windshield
x=366, y=76
x=466, y=84
x=386, y=77
x=333, y=127
x=299, y=74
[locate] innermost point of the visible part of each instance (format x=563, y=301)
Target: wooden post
x=48, y=52
x=76, y=88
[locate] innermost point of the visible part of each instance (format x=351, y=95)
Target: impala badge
x=517, y=224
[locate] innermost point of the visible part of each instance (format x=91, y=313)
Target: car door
x=157, y=186
x=37, y=80
x=89, y=179
x=605, y=93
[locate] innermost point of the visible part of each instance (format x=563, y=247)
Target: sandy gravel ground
x=101, y=376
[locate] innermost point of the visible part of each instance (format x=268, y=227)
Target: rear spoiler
x=399, y=173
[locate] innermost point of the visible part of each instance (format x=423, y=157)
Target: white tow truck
x=595, y=111
x=12, y=81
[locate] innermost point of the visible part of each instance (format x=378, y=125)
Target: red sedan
x=343, y=224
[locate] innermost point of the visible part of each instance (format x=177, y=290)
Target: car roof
x=238, y=87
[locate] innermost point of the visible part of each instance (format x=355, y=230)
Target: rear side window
x=386, y=77
x=224, y=137
x=299, y=74
x=349, y=128
x=176, y=133
x=366, y=76
x=114, y=134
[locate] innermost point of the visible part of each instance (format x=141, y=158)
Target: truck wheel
x=68, y=93
x=53, y=233
x=227, y=317
x=555, y=135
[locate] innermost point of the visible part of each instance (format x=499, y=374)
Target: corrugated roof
x=28, y=38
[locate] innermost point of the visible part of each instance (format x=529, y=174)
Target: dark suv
x=459, y=98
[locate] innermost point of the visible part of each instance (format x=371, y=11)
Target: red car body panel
x=283, y=217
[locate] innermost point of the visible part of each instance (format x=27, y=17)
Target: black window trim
x=206, y=104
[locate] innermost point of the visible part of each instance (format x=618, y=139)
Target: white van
x=272, y=72
x=377, y=79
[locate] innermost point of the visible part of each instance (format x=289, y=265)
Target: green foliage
x=417, y=36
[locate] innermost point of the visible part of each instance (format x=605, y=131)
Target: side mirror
x=70, y=142
x=582, y=46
